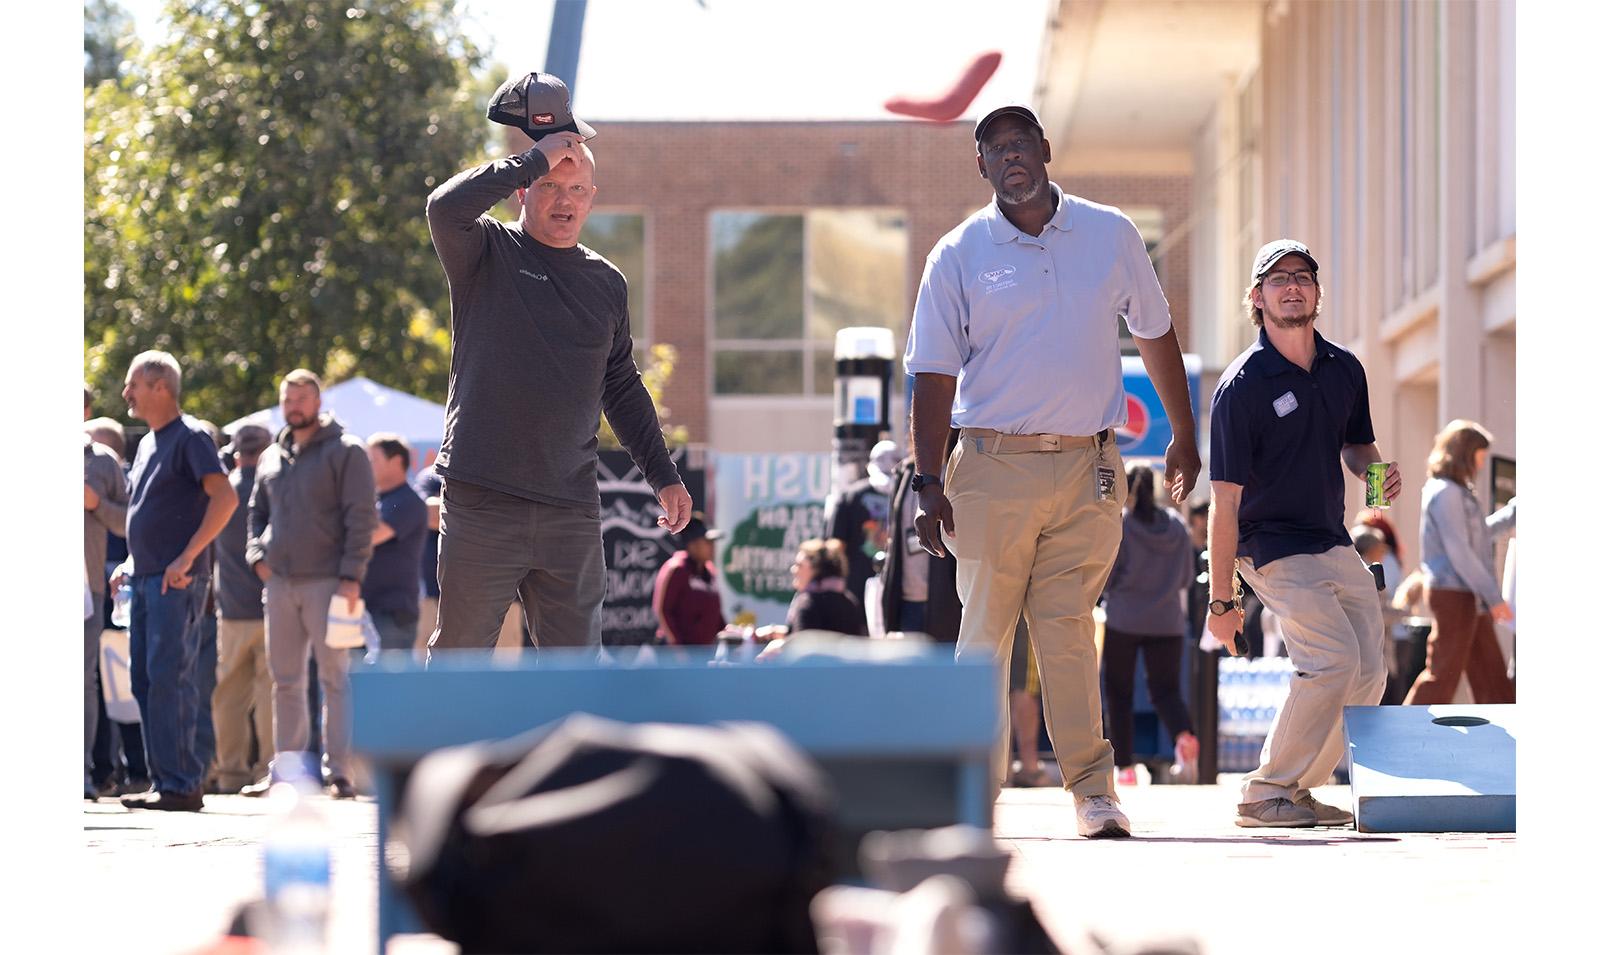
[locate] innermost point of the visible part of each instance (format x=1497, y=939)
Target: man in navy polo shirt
x=1286, y=414
x=180, y=500
x=390, y=588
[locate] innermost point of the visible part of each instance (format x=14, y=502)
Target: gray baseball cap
x=1275, y=250
x=538, y=104
x=1009, y=109
x=250, y=439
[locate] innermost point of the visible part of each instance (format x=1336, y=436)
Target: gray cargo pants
x=297, y=628
x=495, y=546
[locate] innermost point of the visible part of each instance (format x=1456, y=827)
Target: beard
x=1027, y=193
x=1284, y=321
x=298, y=419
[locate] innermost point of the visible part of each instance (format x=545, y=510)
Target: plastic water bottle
x=122, y=606
x=295, y=862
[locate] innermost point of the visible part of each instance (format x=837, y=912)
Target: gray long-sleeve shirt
x=312, y=511
x=102, y=472
x=540, y=346
x=1458, y=541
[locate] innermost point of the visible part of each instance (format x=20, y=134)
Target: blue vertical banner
x=766, y=505
x=1148, y=431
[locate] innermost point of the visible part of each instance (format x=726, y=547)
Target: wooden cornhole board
x=1433, y=768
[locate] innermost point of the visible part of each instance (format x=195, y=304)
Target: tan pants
x=1033, y=537
x=1332, y=623
x=243, y=698
x=427, y=619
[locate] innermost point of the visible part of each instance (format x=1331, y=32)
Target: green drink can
x=1377, y=475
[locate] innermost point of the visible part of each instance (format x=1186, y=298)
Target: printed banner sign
x=1148, y=431
x=766, y=506
x=635, y=546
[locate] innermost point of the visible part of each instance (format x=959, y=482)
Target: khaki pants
x=242, y=699
x=427, y=619
x=1332, y=623
x=1033, y=537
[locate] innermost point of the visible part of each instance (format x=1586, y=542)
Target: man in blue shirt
x=390, y=588
x=180, y=501
x=1287, y=414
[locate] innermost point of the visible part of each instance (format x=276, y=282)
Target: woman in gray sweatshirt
x=1458, y=565
x=1144, y=612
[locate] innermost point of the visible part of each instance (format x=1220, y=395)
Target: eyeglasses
x=1303, y=278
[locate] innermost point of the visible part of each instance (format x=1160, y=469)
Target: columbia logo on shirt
x=534, y=275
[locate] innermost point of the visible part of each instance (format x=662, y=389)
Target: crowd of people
x=227, y=555
x=1011, y=520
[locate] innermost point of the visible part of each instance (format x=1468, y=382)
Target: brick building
x=747, y=244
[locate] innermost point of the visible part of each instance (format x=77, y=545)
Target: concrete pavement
x=169, y=882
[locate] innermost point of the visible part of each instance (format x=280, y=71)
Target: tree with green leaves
x=254, y=189
x=107, y=28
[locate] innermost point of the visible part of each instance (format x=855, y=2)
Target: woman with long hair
x=1144, y=612
x=1458, y=565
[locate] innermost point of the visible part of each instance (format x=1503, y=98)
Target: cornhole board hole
x=1433, y=768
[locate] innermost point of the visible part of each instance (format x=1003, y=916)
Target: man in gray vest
x=243, y=695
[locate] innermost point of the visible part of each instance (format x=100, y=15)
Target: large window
x=785, y=282
x=1151, y=223
x=619, y=236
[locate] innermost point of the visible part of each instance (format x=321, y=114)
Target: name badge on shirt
x=1285, y=403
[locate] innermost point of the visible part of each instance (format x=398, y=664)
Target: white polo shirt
x=1028, y=325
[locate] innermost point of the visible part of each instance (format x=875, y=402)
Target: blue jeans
x=91, y=692
x=164, y=643
x=397, y=630
x=205, y=681
x=913, y=616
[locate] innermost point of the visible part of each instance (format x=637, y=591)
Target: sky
x=757, y=59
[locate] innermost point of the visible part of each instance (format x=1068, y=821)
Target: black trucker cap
x=538, y=104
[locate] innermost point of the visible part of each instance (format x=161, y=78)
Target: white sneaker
x=1099, y=817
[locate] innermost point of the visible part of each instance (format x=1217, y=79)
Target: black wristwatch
x=920, y=481
x=1220, y=607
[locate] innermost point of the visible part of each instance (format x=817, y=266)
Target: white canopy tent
x=365, y=408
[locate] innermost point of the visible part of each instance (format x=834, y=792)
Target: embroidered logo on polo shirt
x=534, y=275
x=1285, y=403
x=998, y=278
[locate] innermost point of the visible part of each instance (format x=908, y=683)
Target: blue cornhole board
x=1409, y=773
x=907, y=743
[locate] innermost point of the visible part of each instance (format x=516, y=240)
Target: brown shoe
x=168, y=802
x=341, y=788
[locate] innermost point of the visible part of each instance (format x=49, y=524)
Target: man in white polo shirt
x=1014, y=342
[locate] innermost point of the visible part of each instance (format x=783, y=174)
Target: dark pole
x=566, y=41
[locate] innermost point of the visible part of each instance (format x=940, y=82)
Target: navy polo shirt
x=167, y=497
x=1278, y=430
x=428, y=485
x=391, y=582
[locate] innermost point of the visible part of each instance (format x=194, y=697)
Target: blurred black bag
x=595, y=836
